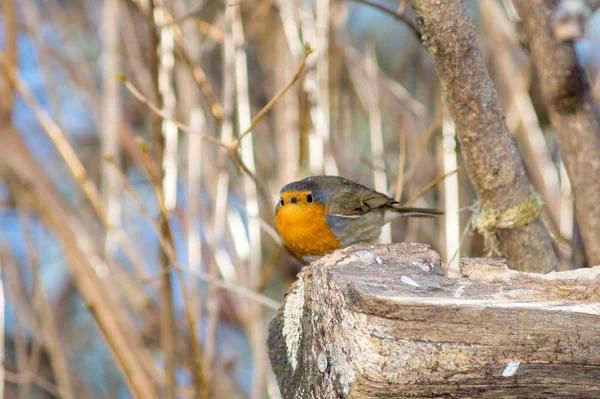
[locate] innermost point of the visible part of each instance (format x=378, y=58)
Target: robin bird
x=320, y=214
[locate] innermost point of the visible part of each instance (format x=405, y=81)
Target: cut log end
x=383, y=321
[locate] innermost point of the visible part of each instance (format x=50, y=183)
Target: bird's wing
x=357, y=201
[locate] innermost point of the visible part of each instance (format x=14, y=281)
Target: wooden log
x=383, y=322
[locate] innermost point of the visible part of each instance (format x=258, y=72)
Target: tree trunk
x=382, y=321
x=491, y=156
x=574, y=115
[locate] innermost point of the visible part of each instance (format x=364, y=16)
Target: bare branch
x=570, y=17
x=574, y=114
x=398, y=14
x=499, y=177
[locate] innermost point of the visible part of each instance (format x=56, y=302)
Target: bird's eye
x=281, y=201
x=310, y=199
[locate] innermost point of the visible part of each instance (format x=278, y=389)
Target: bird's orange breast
x=304, y=230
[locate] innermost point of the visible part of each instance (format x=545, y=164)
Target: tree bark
x=573, y=113
x=491, y=156
x=382, y=321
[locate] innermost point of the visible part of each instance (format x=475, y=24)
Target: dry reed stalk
x=17, y=294
x=168, y=24
x=322, y=29
x=193, y=210
x=197, y=72
x=401, y=169
x=221, y=195
x=567, y=215
x=387, y=85
x=43, y=310
x=169, y=102
x=256, y=20
x=366, y=86
x=56, y=350
x=111, y=120
x=286, y=114
x=451, y=199
x=291, y=28
x=425, y=143
x=42, y=383
x=134, y=53
x=19, y=298
x=256, y=328
x=376, y=130
x=164, y=180
x=92, y=99
x=190, y=104
x=33, y=21
x=316, y=154
x=240, y=241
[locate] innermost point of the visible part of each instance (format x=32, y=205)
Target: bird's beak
x=293, y=200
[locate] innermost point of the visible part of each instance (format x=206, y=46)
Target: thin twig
x=194, y=10
x=431, y=185
x=398, y=14
x=307, y=51
x=401, y=167
x=43, y=309
x=268, y=270
x=433, y=127
x=144, y=100
x=42, y=383
x=197, y=72
x=226, y=285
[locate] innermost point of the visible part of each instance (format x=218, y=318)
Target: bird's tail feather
x=415, y=212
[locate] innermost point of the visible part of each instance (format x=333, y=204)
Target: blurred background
x=137, y=257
